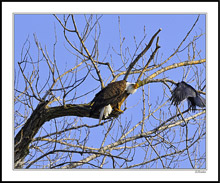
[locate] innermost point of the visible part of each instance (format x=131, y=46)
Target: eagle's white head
x=131, y=87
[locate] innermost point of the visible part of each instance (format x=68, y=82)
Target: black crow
x=185, y=91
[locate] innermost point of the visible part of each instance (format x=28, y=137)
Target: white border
x=8, y=8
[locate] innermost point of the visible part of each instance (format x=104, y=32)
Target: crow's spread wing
x=181, y=92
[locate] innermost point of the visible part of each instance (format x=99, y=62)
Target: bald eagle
x=184, y=91
x=111, y=98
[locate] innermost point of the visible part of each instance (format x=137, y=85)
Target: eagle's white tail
x=101, y=114
x=105, y=111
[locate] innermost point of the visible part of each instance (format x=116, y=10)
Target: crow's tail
x=200, y=101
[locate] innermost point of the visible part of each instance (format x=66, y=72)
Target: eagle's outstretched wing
x=108, y=95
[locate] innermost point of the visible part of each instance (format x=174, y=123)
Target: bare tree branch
x=140, y=55
x=52, y=122
x=173, y=66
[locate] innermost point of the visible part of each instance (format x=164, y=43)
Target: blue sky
x=174, y=29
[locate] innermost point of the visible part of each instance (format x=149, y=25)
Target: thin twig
x=140, y=55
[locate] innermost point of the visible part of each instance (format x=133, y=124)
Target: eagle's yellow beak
x=136, y=86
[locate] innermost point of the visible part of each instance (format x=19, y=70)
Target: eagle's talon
x=111, y=97
x=119, y=110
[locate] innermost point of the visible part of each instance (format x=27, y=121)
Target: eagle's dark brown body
x=113, y=94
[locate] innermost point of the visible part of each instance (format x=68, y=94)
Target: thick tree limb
x=145, y=81
x=27, y=133
x=150, y=59
x=140, y=55
x=41, y=115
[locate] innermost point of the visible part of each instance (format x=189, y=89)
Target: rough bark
x=41, y=115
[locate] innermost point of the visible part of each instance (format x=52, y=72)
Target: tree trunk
x=39, y=116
